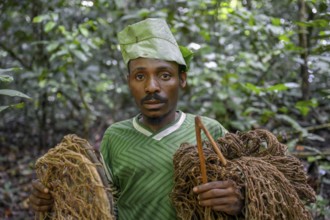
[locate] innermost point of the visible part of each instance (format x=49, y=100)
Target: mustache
x=153, y=96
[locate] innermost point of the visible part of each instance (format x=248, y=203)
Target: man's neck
x=155, y=124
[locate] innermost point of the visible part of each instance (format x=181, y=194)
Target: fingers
x=222, y=201
x=217, y=201
x=214, y=185
x=40, y=191
x=40, y=200
x=40, y=205
x=222, y=196
x=217, y=194
x=37, y=185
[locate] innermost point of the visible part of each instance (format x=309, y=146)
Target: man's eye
x=139, y=76
x=165, y=76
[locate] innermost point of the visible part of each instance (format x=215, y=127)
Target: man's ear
x=127, y=77
x=183, y=79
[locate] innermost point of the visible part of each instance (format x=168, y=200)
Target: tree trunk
x=305, y=90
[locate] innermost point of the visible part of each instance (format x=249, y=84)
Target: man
x=138, y=153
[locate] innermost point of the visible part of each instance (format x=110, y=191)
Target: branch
x=303, y=155
x=317, y=127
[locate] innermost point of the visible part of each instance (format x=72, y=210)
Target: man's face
x=155, y=86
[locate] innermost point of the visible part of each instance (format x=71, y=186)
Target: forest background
x=257, y=64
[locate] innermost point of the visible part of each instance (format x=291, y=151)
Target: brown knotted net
x=77, y=181
x=273, y=183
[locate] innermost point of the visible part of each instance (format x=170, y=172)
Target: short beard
x=155, y=120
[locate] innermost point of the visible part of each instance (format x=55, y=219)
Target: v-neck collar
x=161, y=133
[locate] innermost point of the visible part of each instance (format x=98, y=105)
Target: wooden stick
x=200, y=149
x=200, y=124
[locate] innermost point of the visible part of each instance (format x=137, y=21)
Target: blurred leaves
x=245, y=70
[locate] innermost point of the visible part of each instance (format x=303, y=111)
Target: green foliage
x=321, y=207
x=246, y=70
x=5, y=79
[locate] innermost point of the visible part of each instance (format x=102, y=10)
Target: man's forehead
x=142, y=62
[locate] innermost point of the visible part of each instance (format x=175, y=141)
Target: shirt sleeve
x=105, y=159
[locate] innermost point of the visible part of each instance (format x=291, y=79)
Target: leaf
x=80, y=55
x=277, y=87
x=293, y=123
x=14, y=69
x=275, y=29
x=6, y=78
x=283, y=109
x=83, y=31
x=314, y=158
x=10, y=92
x=238, y=125
x=320, y=23
x=276, y=21
x=54, y=16
x=305, y=106
x=187, y=55
x=52, y=46
x=85, y=47
x=3, y=108
x=251, y=110
x=284, y=38
x=253, y=88
x=304, y=110
x=144, y=12
x=62, y=29
x=58, y=54
x=49, y=26
x=219, y=108
x=19, y=105
x=315, y=137
x=40, y=18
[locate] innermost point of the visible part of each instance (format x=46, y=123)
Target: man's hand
x=221, y=196
x=40, y=199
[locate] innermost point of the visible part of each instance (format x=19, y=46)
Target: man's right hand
x=40, y=199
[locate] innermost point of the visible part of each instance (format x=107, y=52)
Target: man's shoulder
x=125, y=124
x=205, y=119
x=210, y=123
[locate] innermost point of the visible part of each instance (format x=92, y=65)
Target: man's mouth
x=153, y=104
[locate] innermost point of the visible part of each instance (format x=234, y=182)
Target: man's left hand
x=222, y=196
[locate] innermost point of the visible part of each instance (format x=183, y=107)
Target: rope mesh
x=274, y=184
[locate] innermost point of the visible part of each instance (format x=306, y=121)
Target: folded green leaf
x=10, y=92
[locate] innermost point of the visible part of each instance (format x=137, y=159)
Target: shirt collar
x=163, y=132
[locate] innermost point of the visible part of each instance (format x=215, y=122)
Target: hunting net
x=77, y=181
x=273, y=183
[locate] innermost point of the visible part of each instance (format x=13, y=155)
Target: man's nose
x=152, y=85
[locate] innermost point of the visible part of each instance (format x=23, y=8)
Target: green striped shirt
x=140, y=163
